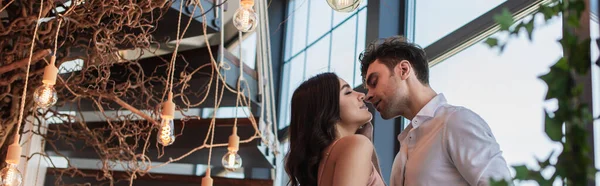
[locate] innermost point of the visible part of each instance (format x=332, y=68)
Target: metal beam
x=167, y=26
x=189, y=135
x=157, y=67
x=477, y=30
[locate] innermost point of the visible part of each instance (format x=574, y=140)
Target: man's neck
x=418, y=99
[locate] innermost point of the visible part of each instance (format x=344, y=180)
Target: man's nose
x=369, y=97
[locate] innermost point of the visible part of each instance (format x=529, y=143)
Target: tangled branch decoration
x=95, y=31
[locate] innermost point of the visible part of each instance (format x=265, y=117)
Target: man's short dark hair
x=390, y=51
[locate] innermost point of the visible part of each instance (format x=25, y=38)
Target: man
x=444, y=144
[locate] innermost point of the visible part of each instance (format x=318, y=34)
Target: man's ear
x=402, y=69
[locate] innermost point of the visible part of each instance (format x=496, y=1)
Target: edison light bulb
x=10, y=176
x=245, y=18
x=344, y=5
x=45, y=96
x=166, y=134
x=232, y=161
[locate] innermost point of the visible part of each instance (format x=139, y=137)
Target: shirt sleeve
x=472, y=148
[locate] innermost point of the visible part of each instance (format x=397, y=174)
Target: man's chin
x=386, y=116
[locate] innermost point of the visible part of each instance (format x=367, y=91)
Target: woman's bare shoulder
x=354, y=146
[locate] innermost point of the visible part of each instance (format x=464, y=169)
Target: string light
x=344, y=5
x=232, y=161
x=45, y=95
x=207, y=180
x=245, y=19
x=166, y=134
x=10, y=175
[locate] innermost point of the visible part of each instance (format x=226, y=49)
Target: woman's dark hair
x=315, y=110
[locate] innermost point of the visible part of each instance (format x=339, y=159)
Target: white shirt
x=447, y=145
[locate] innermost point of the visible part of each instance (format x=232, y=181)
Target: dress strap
x=326, y=158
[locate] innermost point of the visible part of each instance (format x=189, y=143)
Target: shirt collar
x=428, y=111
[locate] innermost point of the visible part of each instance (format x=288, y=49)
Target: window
x=317, y=57
x=293, y=79
x=300, y=25
x=248, y=49
x=504, y=89
x=361, y=34
x=343, y=54
x=429, y=27
x=226, y=112
x=318, y=40
x=319, y=19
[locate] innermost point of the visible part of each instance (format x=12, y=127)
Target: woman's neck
x=345, y=130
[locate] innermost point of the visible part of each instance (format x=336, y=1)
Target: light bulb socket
x=13, y=155
x=168, y=110
x=207, y=181
x=50, y=73
x=234, y=143
x=247, y=3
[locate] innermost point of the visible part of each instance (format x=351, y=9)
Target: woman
x=324, y=147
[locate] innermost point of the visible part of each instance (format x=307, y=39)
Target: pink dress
x=374, y=178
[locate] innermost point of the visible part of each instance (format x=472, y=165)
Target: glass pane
x=360, y=44
x=284, y=102
x=339, y=17
x=296, y=77
x=435, y=19
x=343, y=52
x=594, y=9
x=317, y=57
x=248, y=50
x=319, y=19
x=300, y=12
x=226, y=112
x=289, y=34
x=512, y=105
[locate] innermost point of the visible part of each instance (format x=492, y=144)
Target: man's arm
x=472, y=148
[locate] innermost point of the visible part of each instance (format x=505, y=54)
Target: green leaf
x=568, y=40
x=562, y=64
x=548, y=11
x=585, y=114
x=580, y=59
x=578, y=7
x=577, y=90
x=529, y=28
x=505, y=19
x=498, y=183
x=553, y=128
x=492, y=42
x=522, y=172
x=557, y=81
x=573, y=21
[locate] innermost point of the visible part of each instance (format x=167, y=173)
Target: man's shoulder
x=449, y=111
x=460, y=118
